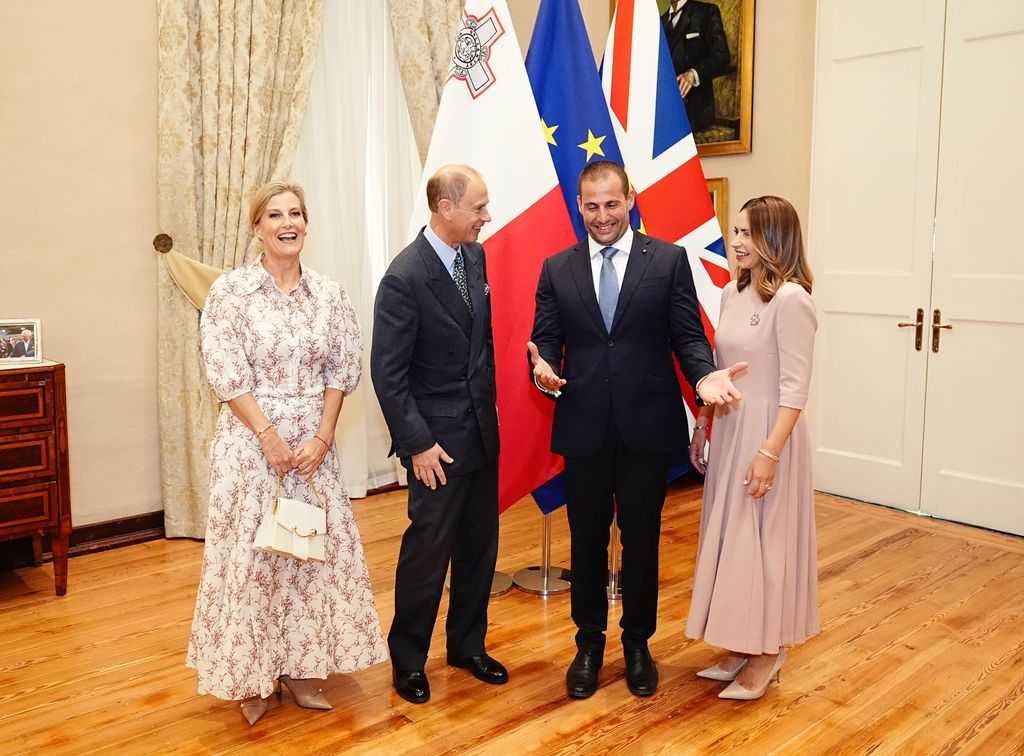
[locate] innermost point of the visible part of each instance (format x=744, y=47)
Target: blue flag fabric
x=567, y=87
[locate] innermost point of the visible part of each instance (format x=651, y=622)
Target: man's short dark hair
x=600, y=169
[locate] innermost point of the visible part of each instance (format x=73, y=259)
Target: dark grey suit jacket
x=432, y=364
x=626, y=376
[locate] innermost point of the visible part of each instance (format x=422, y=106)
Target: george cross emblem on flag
x=473, y=49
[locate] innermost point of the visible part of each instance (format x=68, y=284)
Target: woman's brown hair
x=777, y=240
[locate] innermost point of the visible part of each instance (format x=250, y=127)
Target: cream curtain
x=233, y=84
x=425, y=32
x=360, y=168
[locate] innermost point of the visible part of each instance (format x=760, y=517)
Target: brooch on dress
x=755, y=319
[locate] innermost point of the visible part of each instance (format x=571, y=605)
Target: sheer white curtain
x=358, y=162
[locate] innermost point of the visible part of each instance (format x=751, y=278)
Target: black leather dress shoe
x=483, y=667
x=641, y=672
x=581, y=679
x=412, y=685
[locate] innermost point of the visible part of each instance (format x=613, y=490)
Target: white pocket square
x=487, y=289
x=693, y=35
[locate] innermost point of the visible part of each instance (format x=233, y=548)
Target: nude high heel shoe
x=305, y=695
x=254, y=708
x=717, y=673
x=737, y=692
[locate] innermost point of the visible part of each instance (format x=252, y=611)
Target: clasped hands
x=307, y=458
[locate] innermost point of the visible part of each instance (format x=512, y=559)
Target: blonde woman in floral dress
x=282, y=349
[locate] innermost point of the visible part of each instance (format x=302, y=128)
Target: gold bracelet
x=321, y=441
x=260, y=433
x=700, y=427
x=768, y=454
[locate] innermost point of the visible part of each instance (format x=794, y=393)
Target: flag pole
x=542, y=580
x=614, y=576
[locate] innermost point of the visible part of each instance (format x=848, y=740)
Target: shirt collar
x=255, y=277
x=444, y=250
x=624, y=244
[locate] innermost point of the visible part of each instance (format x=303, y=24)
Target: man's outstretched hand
x=542, y=370
x=717, y=387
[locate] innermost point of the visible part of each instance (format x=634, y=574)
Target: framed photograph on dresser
x=21, y=341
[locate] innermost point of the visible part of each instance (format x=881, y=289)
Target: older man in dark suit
x=611, y=312
x=432, y=364
x=700, y=52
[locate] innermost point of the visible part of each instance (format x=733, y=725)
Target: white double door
x=918, y=205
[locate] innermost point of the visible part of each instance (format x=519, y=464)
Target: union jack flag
x=660, y=153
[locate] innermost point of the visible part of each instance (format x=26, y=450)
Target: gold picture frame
x=730, y=131
x=718, y=188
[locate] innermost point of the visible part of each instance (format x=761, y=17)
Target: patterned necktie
x=608, y=288
x=459, y=276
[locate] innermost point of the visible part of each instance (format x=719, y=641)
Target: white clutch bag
x=292, y=528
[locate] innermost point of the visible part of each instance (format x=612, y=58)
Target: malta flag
x=488, y=120
x=660, y=154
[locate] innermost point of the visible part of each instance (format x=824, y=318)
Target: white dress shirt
x=624, y=245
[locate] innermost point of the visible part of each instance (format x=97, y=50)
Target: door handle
x=918, y=326
x=937, y=326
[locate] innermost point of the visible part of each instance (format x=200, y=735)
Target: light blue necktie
x=608, y=288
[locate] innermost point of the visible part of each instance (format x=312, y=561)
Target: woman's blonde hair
x=271, y=189
x=776, y=238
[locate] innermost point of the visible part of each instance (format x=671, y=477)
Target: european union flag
x=567, y=87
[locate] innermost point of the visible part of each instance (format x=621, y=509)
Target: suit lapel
x=640, y=256
x=583, y=277
x=475, y=282
x=443, y=287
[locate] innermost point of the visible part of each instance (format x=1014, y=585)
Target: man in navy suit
x=611, y=312
x=432, y=364
x=26, y=347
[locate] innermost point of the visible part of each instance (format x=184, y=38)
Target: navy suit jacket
x=431, y=362
x=626, y=376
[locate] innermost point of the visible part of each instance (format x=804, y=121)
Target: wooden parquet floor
x=921, y=652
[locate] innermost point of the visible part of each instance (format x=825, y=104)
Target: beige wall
x=780, y=162
x=77, y=128
x=78, y=155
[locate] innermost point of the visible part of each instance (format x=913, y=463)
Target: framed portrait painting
x=21, y=341
x=712, y=47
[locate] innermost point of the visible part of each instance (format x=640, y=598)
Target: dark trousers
x=457, y=523
x=593, y=485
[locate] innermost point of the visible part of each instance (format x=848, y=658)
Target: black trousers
x=593, y=486
x=457, y=523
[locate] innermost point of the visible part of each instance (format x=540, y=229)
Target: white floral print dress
x=258, y=615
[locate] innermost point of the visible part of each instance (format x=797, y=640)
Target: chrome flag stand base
x=544, y=580
x=500, y=584
x=614, y=576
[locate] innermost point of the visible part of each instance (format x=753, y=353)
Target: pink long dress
x=259, y=615
x=755, y=587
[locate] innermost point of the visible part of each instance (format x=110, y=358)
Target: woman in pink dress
x=755, y=587
x=283, y=349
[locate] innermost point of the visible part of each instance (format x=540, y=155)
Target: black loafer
x=581, y=679
x=482, y=667
x=641, y=672
x=412, y=685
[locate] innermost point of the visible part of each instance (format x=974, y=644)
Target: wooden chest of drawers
x=35, y=495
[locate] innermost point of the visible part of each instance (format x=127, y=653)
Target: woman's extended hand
x=698, y=444
x=280, y=457
x=310, y=455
